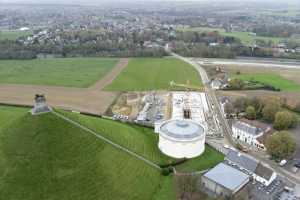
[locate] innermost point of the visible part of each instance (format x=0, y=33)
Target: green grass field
x=154, y=74
x=13, y=35
x=245, y=37
x=69, y=72
x=207, y=160
x=271, y=79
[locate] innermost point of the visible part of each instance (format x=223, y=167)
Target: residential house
x=251, y=132
x=216, y=84
x=264, y=174
x=250, y=166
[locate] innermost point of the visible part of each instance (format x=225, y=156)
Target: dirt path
x=108, y=79
x=93, y=99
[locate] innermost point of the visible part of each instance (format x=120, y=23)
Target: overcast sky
x=101, y=1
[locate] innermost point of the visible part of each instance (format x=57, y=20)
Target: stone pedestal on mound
x=40, y=105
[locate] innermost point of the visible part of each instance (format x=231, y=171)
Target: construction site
x=153, y=108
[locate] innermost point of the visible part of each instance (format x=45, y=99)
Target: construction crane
x=187, y=86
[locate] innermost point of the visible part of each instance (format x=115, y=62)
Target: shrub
x=166, y=171
x=272, y=106
x=251, y=113
x=284, y=120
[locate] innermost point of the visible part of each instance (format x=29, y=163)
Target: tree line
x=83, y=43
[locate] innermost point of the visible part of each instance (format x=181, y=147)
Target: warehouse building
x=224, y=181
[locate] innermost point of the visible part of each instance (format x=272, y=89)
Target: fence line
x=189, y=173
x=107, y=140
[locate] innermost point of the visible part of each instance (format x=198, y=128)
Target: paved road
x=252, y=62
x=226, y=128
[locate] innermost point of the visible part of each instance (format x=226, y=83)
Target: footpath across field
x=92, y=99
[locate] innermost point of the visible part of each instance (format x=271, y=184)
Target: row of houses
x=231, y=177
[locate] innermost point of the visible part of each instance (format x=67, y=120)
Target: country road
x=226, y=128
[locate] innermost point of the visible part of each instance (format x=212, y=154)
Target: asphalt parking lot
x=271, y=192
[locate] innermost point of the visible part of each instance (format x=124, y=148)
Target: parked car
x=297, y=165
x=282, y=163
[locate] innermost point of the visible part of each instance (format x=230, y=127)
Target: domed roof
x=182, y=129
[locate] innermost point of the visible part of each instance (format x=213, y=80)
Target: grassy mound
x=9, y=114
x=142, y=141
x=154, y=74
x=69, y=72
x=43, y=157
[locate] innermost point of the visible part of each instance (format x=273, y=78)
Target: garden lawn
x=44, y=157
x=271, y=79
x=207, y=160
x=69, y=72
x=154, y=74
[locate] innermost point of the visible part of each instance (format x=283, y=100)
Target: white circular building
x=181, y=138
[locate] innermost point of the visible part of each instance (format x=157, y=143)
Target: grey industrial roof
x=252, y=130
x=264, y=171
x=242, y=160
x=182, y=129
x=227, y=176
